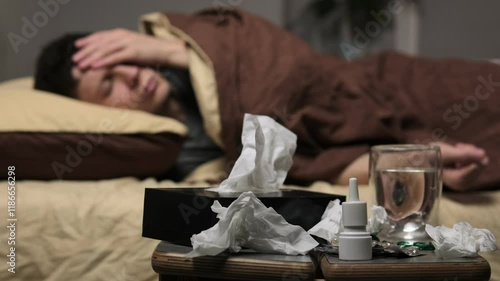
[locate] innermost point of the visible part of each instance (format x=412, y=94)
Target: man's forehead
x=86, y=82
x=79, y=74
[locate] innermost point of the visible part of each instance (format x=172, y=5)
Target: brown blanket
x=339, y=108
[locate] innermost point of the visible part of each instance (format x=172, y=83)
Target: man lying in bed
x=121, y=68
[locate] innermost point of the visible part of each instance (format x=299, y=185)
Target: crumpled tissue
x=460, y=241
x=265, y=159
x=330, y=226
x=377, y=220
x=247, y=222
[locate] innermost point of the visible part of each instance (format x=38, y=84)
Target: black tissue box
x=175, y=214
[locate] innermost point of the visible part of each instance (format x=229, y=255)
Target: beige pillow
x=47, y=136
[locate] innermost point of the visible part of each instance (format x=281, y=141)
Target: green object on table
x=425, y=246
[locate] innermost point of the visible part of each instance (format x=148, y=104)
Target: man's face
x=123, y=86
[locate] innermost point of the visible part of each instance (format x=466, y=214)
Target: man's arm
x=111, y=47
x=462, y=165
x=357, y=169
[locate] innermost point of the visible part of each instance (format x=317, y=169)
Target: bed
x=70, y=229
x=73, y=229
x=91, y=230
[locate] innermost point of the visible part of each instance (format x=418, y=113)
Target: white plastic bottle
x=354, y=242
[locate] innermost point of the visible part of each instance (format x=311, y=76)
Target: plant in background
x=331, y=26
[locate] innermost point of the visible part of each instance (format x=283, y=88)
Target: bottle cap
x=354, y=242
x=353, y=190
x=354, y=213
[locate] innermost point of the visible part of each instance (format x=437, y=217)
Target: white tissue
x=377, y=221
x=460, y=241
x=267, y=153
x=247, y=222
x=330, y=226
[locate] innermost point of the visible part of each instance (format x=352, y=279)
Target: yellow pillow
x=47, y=136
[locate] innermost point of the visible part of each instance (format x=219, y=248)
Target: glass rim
x=404, y=147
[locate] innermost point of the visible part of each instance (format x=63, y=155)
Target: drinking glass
x=408, y=183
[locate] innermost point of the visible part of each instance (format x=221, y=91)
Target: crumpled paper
x=330, y=226
x=378, y=219
x=247, y=222
x=267, y=153
x=460, y=241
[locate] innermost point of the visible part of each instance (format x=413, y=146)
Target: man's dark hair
x=54, y=64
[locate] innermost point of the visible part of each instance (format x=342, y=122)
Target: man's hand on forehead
x=118, y=46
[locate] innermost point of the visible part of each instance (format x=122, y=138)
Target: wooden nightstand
x=422, y=268
x=171, y=263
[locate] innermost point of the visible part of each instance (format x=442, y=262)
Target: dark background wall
x=459, y=28
x=91, y=15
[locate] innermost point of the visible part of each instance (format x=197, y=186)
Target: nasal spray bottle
x=354, y=242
